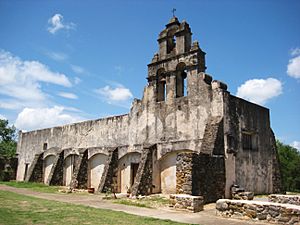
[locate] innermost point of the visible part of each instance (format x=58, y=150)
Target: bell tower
x=177, y=60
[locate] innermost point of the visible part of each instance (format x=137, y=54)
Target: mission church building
x=187, y=134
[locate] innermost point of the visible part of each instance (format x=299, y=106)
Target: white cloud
x=56, y=23
x=293, y=68
x=295, y=51
x=114, y=95
x=68, y=95
x=260, y=90
x=2, y=117
x=38, y=118
x=296, y=144
x=22, y=80
x=57, y=56
x=77, y=69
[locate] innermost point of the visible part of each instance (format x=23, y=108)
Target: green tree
x=289, y=159
x=8, y=143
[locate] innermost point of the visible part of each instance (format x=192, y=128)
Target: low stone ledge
x=269, y=211
x=245, y=195
x=286, y=199
x=186, y=202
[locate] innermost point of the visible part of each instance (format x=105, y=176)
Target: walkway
x=206, y=217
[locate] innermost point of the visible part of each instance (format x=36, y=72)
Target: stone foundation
x=287, y=199
x=269, y=211
x=245, y=195
x=187, y=202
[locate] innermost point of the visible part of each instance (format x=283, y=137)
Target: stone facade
x=286, y=199
x=205, y=139
x=187, y=202
x=269, y=211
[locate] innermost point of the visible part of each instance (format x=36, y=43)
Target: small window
x=45, y=146
x=161, y=91
x=181, y=84
x=249, y=141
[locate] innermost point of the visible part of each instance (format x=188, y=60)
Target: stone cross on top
x=173, y=11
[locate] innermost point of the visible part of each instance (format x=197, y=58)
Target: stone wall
x=286, y=199
x=200, y=175
x=209, y=177
x=35, y=172
x=109, y=177
x=143, y=180
x=57, y=170
x=256, y=210
x=80, y=177
x=187, y=202
x=256, y=169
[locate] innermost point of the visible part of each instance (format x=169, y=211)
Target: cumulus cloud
x=114, y=95
x=56, y=23
x=296, y=144
x=2, y=117
x=38, y=118
x=21, y=80
x=260, y=90
x=68, y=95
x=293, y=68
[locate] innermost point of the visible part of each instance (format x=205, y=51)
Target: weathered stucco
x=183, y=110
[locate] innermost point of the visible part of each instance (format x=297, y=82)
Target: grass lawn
x=147, y=202
x=33, y=186
x=19, y=209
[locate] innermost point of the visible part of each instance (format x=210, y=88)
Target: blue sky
x=66, y=61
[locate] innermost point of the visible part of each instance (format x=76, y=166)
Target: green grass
x=148, y=202
x=20, y=209
x=33, y=186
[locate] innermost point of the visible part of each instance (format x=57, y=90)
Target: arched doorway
x=96, y=168
x=69, y=167
x=168, y=173
x=128, y=166
x=48, y=164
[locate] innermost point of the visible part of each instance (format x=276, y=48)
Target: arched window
x=181, y=80
x=171, y=41
x=161, y=86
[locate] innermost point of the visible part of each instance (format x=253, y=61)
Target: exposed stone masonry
x=110, y=174
x=56, y=173
x=200, y=175
x=35, y=172
x=187, y=202
x=143, y=180
x=256, y=210
x=286, y=199
x=213, y=140
x=80, y=177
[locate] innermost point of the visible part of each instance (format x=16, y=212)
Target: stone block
x=187, y=202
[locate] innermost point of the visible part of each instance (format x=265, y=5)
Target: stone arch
x=127, y=169
x=171, y=40
x=161, y=85
x=168, y=171
x=69, y=166
x=49, y=161
x=181, y=80
x=96, y=167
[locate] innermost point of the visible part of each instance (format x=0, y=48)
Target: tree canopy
x=8, y=143
x=289, y=159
